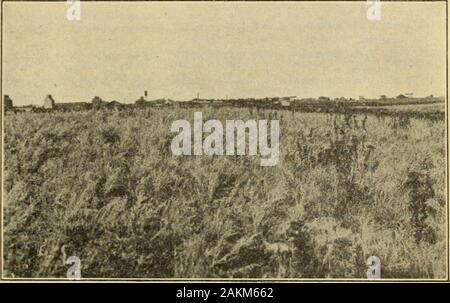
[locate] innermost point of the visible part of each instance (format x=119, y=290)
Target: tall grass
x=104, y=186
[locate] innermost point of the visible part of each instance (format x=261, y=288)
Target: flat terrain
x=425, y=107
x=104, y=186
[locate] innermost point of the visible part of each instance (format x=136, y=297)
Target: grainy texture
x=104, y=186
x=93, y=186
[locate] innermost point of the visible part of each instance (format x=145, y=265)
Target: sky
x=218, y=49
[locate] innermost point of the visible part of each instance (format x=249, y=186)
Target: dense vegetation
x=104, y=186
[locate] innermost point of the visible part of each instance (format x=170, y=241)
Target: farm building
x=177, y=104
x=161, y=102
x=98, y=102
x=141, y=101
x=203, y=101
x=73, y=106
x=25, y=109
x=290, y=98
x=114, y=104
x=218, y=102
x=7, y=102
x=286, y=101
x=49, y=102
x=168, y=101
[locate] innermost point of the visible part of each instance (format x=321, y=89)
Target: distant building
x=283, y=101
x=286, y=101
x=290, y=98
x=202, y=101
x=114, y=104
x=177, y=104
x=7, y=102
x=49, y=102
x=73, y=106
x=383, y=97
x=141, y=101
x=25, y=108
x=98, y=102
x=162, y=102
x=322, y=98
x=401, y=97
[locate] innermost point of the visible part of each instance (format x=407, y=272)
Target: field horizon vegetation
x=321, y=104
x=103, y=185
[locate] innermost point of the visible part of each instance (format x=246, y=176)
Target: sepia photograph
x=224, y=141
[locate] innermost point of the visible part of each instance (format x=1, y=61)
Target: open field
x=399, y=101
x=104, y=186
x=423, y=107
